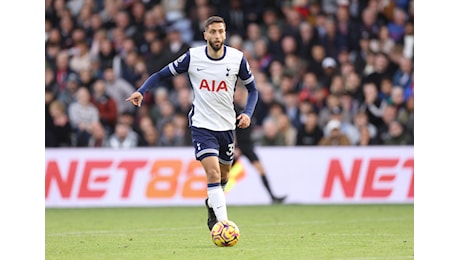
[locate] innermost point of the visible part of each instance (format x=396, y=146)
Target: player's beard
x=216, y=46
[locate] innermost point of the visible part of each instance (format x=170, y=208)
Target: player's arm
x=174, y=68
x=245, y=74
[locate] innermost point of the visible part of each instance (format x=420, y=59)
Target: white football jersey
x=213, y=82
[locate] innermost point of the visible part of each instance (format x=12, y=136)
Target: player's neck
x=215, y=54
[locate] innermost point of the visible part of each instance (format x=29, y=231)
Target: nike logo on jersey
x=200, y=69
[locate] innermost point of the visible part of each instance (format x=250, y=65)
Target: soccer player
x=214, y=70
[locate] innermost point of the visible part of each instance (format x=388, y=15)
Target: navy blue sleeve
x=253, y=96
x=180, y=65
x=246, y=76
x=155, y=79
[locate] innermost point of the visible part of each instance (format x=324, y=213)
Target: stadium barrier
x=145, y=177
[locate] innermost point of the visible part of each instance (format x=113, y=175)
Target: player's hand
x=136, y=99
x=243, y=121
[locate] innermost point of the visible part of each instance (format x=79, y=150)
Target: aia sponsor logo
x=213, y=85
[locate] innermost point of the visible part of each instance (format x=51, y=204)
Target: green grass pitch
x=339, y=232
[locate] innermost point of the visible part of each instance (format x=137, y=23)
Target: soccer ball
x=225, y=233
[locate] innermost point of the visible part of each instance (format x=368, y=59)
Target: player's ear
x=204, y=36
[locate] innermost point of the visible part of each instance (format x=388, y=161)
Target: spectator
x=385, y=89
x=277, y=45
x=396, y=27
x=369, y=23
x=128, y=67
x=68, y=95
x=176, y=46
x=337, y=86
x=82, y=114
x=349, y=105
x=309, y=133
x=269, y=17
x=253, y=34
x=384, y=43
x=266, y=99
x=315, y=66
x=66, y=26
x=365, y=138
x=353, y=86
x=82, y=59
x=275, y=73
x=50, y=82
x=49, y=135
x=360, y=120
x=404, y=77
x=182, y=128
x=287, y=130
x=99, y=136
x=335, y=136
x=118, y=89
x=397, y=100
x=105, y=104
x=347, y=30
x=381, y=69
x=168, y=135
x=148, y=134
x=408, y=40
x=137, y=13
x=345, y=66
x=373, y=106
x=63, y=71
x=83, y=17
x=398, y=135
x=161, y=95
x=150, y=137
x=293, y=20
x=409, y=115
x=96, y=28
x=332, y=102
x=271, y=134
x=308, y=39
x=183, y=98
x=330, y=39
x=199, y=12
x=61, y=130
x=262, y=55
x=291, y=106
x=236, y=17
x=346, y=127
x=123, y=137
x=330, y=69
x=99, y=35
x=106, y=54
x=123, y=21
x=388, y=116
x=167, y=111
x=157, y=58
x=52, y=51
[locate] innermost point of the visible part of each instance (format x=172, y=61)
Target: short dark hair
x=214, y=19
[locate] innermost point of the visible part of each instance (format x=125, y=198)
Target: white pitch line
x=314, y=222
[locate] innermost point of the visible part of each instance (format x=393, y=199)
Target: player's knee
x=213, y=175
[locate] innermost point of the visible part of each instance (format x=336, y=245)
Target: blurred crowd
x=330, y=72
